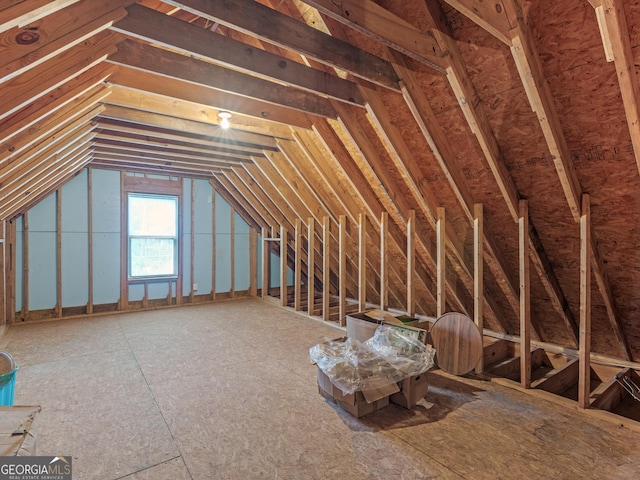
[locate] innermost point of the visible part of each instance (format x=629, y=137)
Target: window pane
x=152, y=256
x=152, y=216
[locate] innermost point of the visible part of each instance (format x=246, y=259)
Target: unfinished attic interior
x=331, y=157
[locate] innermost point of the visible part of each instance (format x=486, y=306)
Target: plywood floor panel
x=226, y=391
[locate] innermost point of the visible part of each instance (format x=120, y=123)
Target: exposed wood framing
x=362, y=262
x=297, y=270
x=525, y=296
x=442, y=261
x=478, y=274
x=411, y=263
x=584, y=376
x=311, y=262
x=342, y=270
x=384, y=276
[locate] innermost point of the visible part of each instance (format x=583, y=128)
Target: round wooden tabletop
x=458, y=343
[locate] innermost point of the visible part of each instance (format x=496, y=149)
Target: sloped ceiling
x=355, y=107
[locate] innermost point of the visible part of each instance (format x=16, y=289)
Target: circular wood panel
x=458, y=343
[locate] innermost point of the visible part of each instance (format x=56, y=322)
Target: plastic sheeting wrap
x=386, y=358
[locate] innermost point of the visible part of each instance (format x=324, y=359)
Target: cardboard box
x=357, y=404
x=412, y=390
x=362, y=326
x=17, y=431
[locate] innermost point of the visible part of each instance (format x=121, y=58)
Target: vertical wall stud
x=59, y=253
x=411, y=263
x=362, y=262
x=90, y=224
x=342, y=275
x=213, y=243
x=525, y=298
x=283, y=266
x=311, y=266
x=478, y=282
x=326, y=268
x=584, y=352
x=384, y=274
x=192, y=240
x=441, y=236
x=265, y=263
x=253, y=262
x=297, y=283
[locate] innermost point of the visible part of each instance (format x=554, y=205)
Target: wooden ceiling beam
x=166, y=152
x=491, y=16
x=174, y=65
x=167, y=160
x=148, y=25
x=214, y=132
x=256, y=20
x=115, y=162
x=267, y=118
x=372, y=20
x=615, y=38
x=182, y=145
x=24, y=12
x=26, y=47
x=55, y=100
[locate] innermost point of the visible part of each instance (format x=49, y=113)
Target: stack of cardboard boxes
x=406, y=393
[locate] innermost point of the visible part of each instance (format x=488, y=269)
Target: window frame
x=176, y=238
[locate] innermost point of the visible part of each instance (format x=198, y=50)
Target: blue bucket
x=8, y=387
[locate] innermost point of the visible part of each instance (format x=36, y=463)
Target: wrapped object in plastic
x=388, y=357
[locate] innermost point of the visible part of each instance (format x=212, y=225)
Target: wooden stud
x=232, y=250
x=297, y=275
x=525, y=296
x=213, y=243
x=192, y=240
x=411, y=263
x=384, y=272
x=265, y=263
x=326, y=267
x=442, y=261
x=59, y=253
x=311, y=266
x=25, y=266
x=584, y=374
x=478, y=272
x=253, y=262
x=90, y=239
x=342, y=269
x=362, y=262
x=283, y=266
x=124, y=246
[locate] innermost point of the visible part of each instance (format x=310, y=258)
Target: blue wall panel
x=42, y=238
x=19, y=262
x=203, y=228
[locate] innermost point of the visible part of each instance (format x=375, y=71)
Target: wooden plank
x=525, y=296
x=615, y=35
x=232, y=250
x=90, y=239
x=442, y=261
x=342, y=269
x=384, y=275
x=283, y=265
x=25, y=267
x=58, y=307
x=492, y=16
x=262, y=22
x=311, y=266
x=173, y=65
x=326, y=268
x=192, y=241
x=478, y=273
x=257, y=116
x=297, y=273
x=253, y=262
x=37, y=82
x=23, y=13
x=378, y=23
x=148, y=25
x=55, y=34
x=411, y=263
x=609, y=394
x=362, y=262
x=584, y=377
x=559, y=379
x=265, y=263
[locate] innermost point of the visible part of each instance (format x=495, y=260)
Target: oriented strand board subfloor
x=226, y=391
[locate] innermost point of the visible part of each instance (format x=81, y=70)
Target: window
x=153, y=235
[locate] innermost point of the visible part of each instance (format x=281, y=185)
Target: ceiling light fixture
x=225, y=116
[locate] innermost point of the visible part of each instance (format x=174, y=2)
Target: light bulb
x=225, y=116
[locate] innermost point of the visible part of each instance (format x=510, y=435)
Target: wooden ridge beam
x=276, y=28
x=148, y=25
x=174, y=65
x=376, y=22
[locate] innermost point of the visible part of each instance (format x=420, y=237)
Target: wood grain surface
x=458, y=343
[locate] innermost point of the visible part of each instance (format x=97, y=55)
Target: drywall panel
x=42, y=261
x=223, y=262
x=159, y=290
x=223, y=215
x=75, y=241
x=203, y=240
x=106, y=215
x=136, y=292
x=242, y=272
